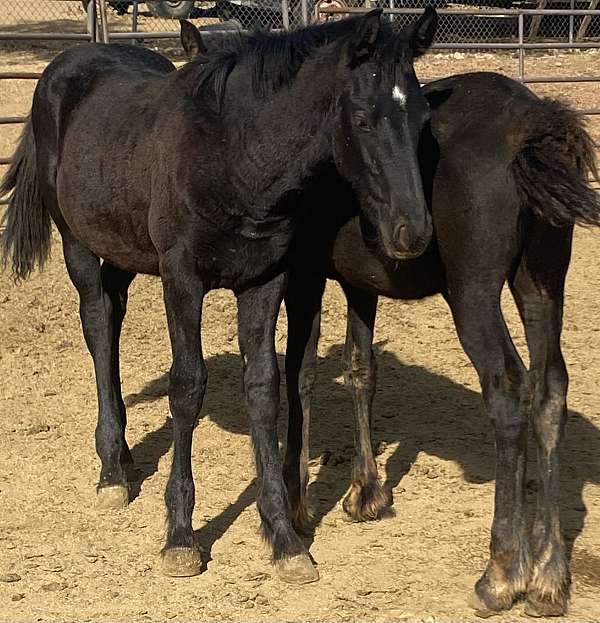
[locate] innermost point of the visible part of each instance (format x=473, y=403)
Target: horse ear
x=365, y=35
x=191, y=39
x=420, y=34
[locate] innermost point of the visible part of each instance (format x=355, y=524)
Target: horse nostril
x=402, y=238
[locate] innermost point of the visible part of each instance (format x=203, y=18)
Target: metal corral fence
x=480, y=25
x=50, y=16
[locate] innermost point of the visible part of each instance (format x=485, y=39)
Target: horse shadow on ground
x=415, y=409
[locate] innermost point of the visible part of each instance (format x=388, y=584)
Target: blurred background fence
x=461, y=25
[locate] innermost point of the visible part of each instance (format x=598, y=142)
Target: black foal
x=505, y=174
x=197, y=180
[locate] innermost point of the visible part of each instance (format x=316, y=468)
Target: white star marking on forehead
x=398, y=95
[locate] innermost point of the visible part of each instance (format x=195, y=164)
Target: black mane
x=275, y=57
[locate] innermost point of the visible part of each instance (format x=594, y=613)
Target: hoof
x=481, y=610
x=367, y=501
x=495, y=594
x=480, y=607
x=182, y=562
x=297, y=570
x=541, y=608
x=112, y=496
x=548, y=590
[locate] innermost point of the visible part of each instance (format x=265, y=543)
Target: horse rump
x=26, y=237
x=553, y=167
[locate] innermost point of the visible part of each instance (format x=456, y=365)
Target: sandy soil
x=72, y=562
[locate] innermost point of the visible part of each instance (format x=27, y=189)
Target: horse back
x=470, y=109
x=91, y=80
x=504, y=164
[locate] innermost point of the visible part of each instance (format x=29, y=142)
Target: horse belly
x=103, y=210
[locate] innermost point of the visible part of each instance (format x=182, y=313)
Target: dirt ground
x=72, y=562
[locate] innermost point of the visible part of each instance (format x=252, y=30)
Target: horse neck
x=285, y=137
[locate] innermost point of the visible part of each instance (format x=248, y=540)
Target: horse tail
x=553, y=166
x=26, y=238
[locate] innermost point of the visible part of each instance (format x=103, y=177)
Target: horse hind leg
x=366, y=499
x=506, y=394
x=115, y=283
x=303, y=304
x=102, y=300
x=538, y=288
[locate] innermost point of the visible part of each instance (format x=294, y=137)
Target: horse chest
x=236, y=260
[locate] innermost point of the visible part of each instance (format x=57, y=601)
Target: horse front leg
x=303, y=305
x=115, y=283
x=183, y=294
x=258, y=309
x=366, y=500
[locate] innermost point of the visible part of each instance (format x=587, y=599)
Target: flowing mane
x=275, y=57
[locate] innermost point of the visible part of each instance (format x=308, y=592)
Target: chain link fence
x=42, y=16
x=68, y=16
x=460, y=26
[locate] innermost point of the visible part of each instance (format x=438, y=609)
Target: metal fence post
x=285, y=14
x=134, y=19
x=92, y=21
x=521, y=19
x=104, y=21
x=572, y=23
x=304, y=8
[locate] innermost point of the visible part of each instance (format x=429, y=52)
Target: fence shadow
x=416, y=409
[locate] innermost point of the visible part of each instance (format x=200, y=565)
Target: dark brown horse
x=505, y=175
x=197, y=180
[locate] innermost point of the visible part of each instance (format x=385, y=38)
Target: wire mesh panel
x=490, y=28
x=42, y=16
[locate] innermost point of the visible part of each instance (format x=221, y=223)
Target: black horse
x=505, y=174
x=198, y=181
